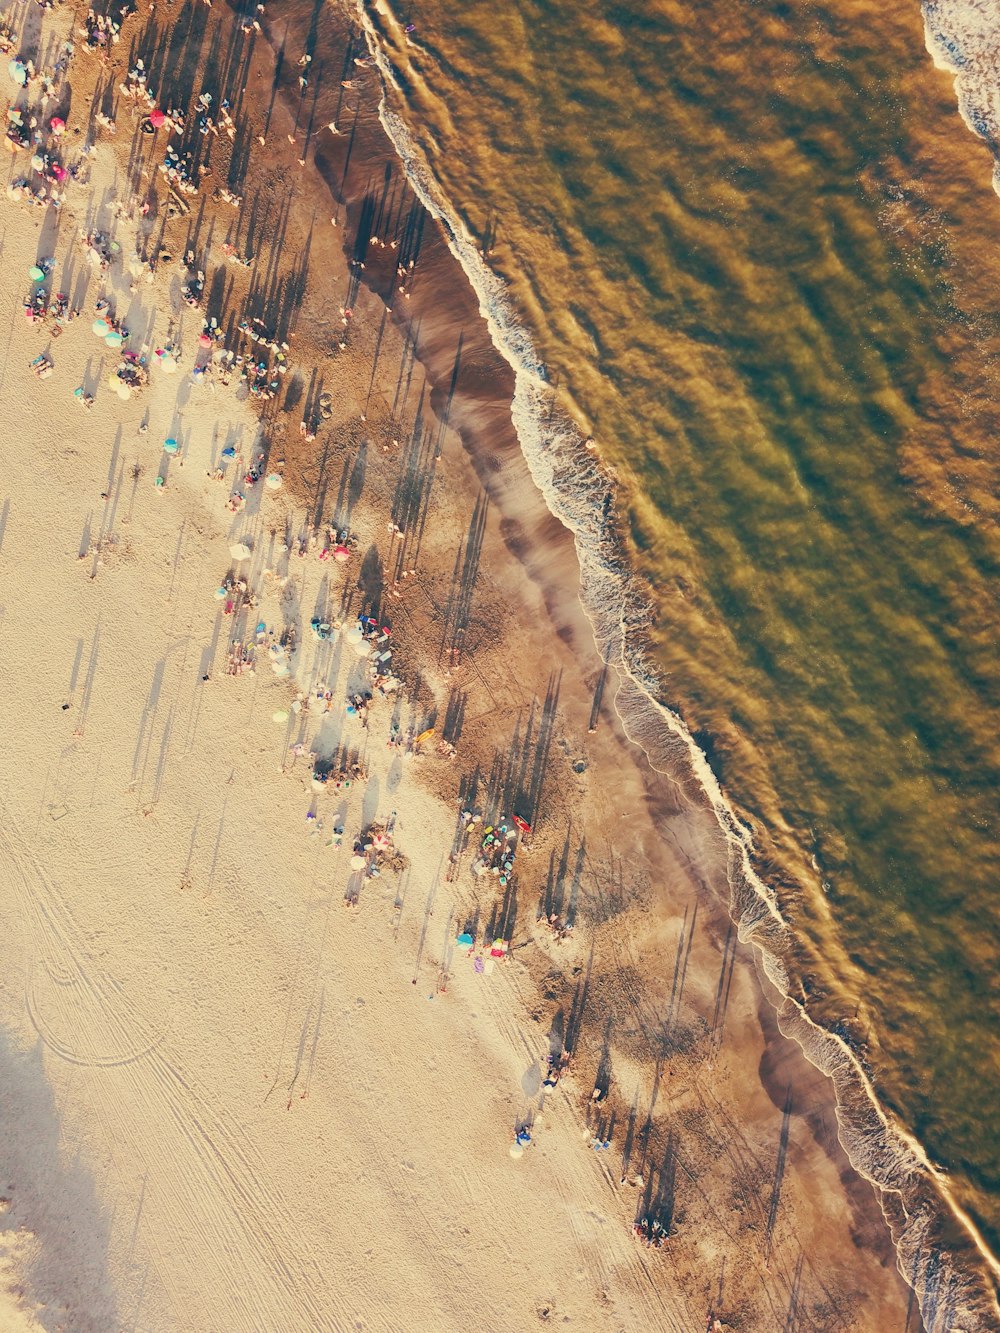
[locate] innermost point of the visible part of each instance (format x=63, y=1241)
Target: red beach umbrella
x=157, y=117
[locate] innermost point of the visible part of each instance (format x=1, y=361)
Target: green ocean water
x=745, y=252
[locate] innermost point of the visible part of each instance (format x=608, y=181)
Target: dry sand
x=231, y=1101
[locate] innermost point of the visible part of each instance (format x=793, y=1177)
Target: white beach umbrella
x=240, y=551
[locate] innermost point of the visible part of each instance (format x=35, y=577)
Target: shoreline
x=622, y=926
x=607, y=560
x=756, y=901
x=907, y=1181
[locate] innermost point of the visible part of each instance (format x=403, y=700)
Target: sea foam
x=573, y=485
x=963, y=37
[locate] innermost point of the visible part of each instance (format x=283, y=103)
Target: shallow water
x=751, y=244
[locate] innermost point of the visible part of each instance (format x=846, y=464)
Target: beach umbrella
x=465, y=940
x=12, y=144
x=36, y=274
x=341, y=553
x=100, y=327
x=38, y=162
x=204, y=340
x=240, y=551
x=57, y=125
x=280, y=716
x=113, y=381
x=354, y=635
x=168, y=365
x=114, y=338
x=17, y=71
x=358, y=862
x=123, y=392
x=272, y=481
x=170, y=446
x=156, y=117
x=363, y=648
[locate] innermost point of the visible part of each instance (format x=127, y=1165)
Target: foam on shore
x=963, y=37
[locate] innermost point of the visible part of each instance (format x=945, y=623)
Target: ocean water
x=752, y=246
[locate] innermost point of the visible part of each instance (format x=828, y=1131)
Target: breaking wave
x=913, y=1195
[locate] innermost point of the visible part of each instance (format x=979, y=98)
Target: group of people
x=651, y=1231
x=104, y=30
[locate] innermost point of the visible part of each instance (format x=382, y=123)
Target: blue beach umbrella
x=170, y=446
x=100, y=328
x=36, y=274
x=114, y=339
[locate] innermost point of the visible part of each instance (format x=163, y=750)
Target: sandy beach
x=253, y=1074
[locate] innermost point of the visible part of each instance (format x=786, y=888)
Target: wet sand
x=246, y=1087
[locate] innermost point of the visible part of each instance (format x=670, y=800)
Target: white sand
x=228, y=1107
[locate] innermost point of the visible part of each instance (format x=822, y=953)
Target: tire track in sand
x=205, y=1179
